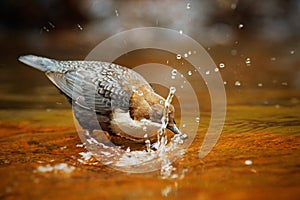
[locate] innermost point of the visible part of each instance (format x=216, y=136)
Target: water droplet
x=174, y=72
x=148, y=145
x=248, y=162
x=207, y=72
x=185, y=55
x=80, y=27
x=178, y=56
x=133, y=88
x=216, y=69
x=225, y=82
x=181, y=86
x=167, y=61
x=292, y=52
x=221, y=65
x=237, y=83
x=161, y=102
x=117, y=13
x=241, y=26
x=190, y=73
x=52, y=25
x=248, y=61
x=188, y=6
x=259, y=84
x=140, y=93
x=45, y=28
x=183, y=125
x=172, y=90
x=197, y=119
x=146, y=135
x=180, y=32
x=144, y=128
x=128, y=150
x=189, y=52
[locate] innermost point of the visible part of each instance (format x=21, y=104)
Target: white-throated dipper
x=126, y=106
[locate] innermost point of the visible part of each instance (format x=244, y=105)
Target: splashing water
x=155, y=156
x=162, y=139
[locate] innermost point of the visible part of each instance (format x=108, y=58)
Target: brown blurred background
x=267, y=32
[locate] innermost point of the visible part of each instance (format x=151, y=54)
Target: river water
x=256, y=156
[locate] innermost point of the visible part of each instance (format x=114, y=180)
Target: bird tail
x=40, y=63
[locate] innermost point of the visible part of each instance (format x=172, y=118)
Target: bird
x=126, y=106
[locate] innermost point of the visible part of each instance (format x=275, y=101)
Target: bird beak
x=174, y=129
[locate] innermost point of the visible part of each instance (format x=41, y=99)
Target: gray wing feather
x=97, y=86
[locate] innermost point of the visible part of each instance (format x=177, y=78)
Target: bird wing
x=101, y=88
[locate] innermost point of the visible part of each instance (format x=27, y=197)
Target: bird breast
x=123, y=124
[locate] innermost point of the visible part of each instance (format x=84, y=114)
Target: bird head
x=171, y=123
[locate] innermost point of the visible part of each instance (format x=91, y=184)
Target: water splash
x=166, y=165
x=157, y=155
